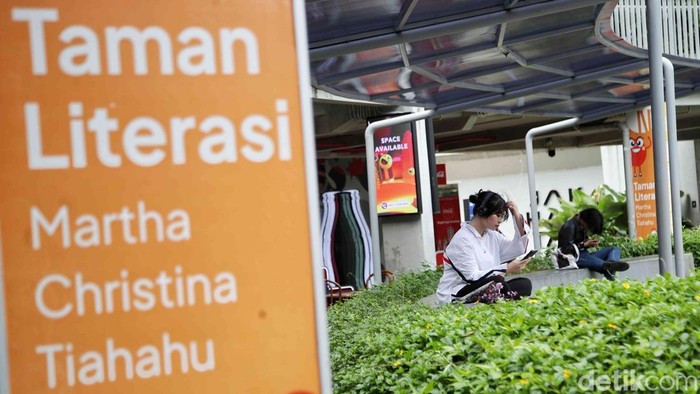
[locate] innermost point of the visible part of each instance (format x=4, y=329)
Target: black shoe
x=615, y=266
x=609, y=275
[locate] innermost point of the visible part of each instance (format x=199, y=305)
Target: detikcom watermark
x=631, y=380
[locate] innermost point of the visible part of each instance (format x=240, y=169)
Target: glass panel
x=385, y=58
x=452, y=9
x=328, y=19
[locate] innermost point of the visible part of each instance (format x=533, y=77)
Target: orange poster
x=155, y=222
x=395, y=170
x=642, y=152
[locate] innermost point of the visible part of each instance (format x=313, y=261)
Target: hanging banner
x=642, y=152
x=156, y=226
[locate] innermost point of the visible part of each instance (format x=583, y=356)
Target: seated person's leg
x=522, y=286
x=610, y=253
x=611, y=256
x=593, y=263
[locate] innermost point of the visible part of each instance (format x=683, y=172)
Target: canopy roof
x=556, y=59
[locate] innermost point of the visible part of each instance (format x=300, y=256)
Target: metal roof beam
x=427, y=85
x=405, y=14
x=610, y=111
x=605, y=99
x=478, y=86
x=520, y=59
x=376, y=68
x=540, y=34
x=602, y=88
x=450, y=27
x=567, y=54
x=482, y=72
x=539, y=87
x=467, y=50
x=540, y=104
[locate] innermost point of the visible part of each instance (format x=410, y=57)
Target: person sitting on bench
x=573, y=240
x=478, y=256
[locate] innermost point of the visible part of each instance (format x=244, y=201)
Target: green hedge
x=628, y=247
x=383, y=341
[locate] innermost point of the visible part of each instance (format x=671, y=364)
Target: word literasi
x=146, y=141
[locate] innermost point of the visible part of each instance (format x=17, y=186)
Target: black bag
x=472, y=290
x=484, y=289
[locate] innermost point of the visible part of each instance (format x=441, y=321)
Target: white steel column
x=372, y=186
x=659, y=137
x=670, y=85
x=538, y=131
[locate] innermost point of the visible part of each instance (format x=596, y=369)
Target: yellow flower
x=396, y=364
x=581, y=322
x=401, y=352
x=647, y=292
x=626, y=285
x=612, y=326
x=697, y=297
x=567, y=374
x=428, y=326
x=524, y=381
x=532, y=301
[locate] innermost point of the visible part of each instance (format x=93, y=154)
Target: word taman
x=82, y=52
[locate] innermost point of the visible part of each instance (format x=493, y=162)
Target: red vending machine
x=447, y=222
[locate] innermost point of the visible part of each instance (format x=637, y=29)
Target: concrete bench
x=641, y=268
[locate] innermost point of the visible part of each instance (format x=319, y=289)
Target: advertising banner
x=642, y=152
x=156, y=211
x=396, y=170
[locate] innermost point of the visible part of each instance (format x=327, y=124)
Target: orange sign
x=642, y=152
x=156, y=227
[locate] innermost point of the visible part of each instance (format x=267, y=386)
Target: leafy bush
x=630, y=247
x=610, y=203
x=691, y=244
x=548, y=343
x=542, y=261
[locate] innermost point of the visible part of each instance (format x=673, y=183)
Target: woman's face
x=495, y=220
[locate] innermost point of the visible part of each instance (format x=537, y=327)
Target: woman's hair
x=593, y=218
x=486, y=203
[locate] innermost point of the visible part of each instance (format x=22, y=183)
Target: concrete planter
x=641, y=268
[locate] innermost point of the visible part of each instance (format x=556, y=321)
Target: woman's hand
x=516, y=265
x=519, y=221
x=591, y=243
x=513, y=208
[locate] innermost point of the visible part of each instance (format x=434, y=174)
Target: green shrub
x=691, y=244
x=542, y=261
x=609, y=202
x=630, y=247
x=544, y=344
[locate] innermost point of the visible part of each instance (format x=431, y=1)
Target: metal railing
x=680, y=25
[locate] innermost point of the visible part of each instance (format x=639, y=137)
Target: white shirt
x=476, y=256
